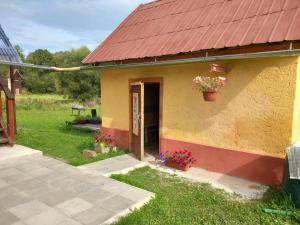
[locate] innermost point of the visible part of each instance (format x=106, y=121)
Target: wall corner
x=296, y=113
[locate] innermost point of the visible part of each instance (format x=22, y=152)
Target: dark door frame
x=154, y=80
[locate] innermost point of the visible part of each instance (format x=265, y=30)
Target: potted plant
x=181, y=160
x=209, y=86
x=103, y=142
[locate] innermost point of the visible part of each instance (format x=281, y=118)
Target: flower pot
x=178, y=166
x=102, y=148
x=105, y=150
x=210, y=96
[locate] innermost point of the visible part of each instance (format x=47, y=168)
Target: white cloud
x=60, y=25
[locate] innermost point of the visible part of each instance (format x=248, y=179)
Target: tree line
x=81, y=85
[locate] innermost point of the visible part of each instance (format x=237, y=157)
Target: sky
x=62, y=24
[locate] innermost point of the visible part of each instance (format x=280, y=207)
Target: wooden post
x=11, y=74
x=1, y=112
x=11, y=125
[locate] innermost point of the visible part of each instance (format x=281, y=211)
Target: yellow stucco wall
x=296, y=119
x=253, y=113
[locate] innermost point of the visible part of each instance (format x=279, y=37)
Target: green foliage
x=82, y=86
x=20, y=52
x=40, y=57
x=39, y=81
x=179, y=201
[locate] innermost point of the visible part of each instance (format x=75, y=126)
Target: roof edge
x=286, y=45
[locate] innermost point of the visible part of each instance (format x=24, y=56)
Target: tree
x=40, y=57
x=20, y=52
x=40, y=81
x=83, y=85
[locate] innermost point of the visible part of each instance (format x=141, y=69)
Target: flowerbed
x=182, y=160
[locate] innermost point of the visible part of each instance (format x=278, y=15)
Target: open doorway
x=151, y=118
x=145, y=116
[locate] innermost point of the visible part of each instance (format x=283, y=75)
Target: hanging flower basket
x=210, y=96
x=209, y=86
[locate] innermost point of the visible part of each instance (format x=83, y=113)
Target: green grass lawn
x=41, y=125
x=179, y=202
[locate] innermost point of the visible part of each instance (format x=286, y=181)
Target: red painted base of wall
x=121, y=136
x=263, y=169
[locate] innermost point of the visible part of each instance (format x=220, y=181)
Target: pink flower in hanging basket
x=209, y=84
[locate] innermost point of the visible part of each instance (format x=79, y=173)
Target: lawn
x=179, y=201
x=41, y=125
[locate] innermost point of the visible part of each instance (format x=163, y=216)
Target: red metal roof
x=168, y=27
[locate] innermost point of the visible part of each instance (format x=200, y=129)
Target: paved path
x=116, y=165
x=38, y=190
x=126, y=163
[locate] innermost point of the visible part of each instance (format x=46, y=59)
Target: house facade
x=150, y=60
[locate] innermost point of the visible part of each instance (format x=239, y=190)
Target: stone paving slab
x=116, y=165
x=125, y=163
x=245, y=188
x=7, y=152
x=38, y=190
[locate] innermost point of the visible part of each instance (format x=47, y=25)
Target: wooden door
x=137, y=119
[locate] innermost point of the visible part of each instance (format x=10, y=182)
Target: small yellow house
x=150, y=60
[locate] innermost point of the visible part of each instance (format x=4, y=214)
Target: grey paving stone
x=115, y=187
x=29, y=209
x=9, y=172
x=51, y=163
x=48, y=217
x=74, y=206
x=78, y=187
x=10, y=197
x=136, y=194
x=96, y=195
x=94, y=215
x=40, y=172
x=63, y=182
x=3, y=183
x=28, y=184
x=41, y=190
x=19, y=223
x=56, y=197
x=96, y=179
x=17, y=178
x=116, y=204
x=28, y=166
x=52, y=178
x=6, y=218
x=68, y=221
